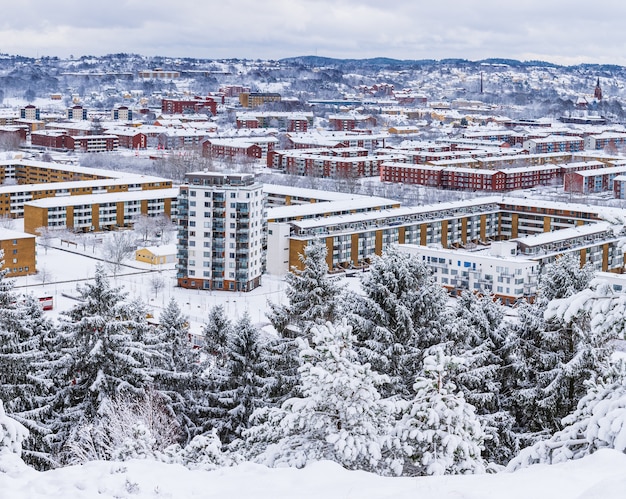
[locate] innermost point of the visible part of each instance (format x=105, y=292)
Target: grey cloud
x=556, y=30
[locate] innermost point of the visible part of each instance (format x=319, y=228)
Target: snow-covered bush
x=203, y=452
x=12, y=433
x=127, y=428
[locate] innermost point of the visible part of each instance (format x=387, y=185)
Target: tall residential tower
x=220, y=232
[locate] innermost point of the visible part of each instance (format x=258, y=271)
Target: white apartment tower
x=220, y=232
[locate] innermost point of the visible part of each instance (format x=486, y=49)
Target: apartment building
x=288, y=121
x=592, y=181
x=195, y=105
x=76, y=113
x=606, y=140
x=353, y=239
x=38, y=180
x=96, y=143
x=122, y=113
x=97, y=212
x=19, y=257
x=158, y=74
x=256, y=99
x=30, y=112
x=495, y=270
x=52, y=139
x=554, y=143
x=252, y=147
x=220, y=232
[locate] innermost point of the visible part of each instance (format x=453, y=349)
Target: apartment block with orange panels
x=38, y=180
x=98, y=212
x=18, y=250
x=354, y=239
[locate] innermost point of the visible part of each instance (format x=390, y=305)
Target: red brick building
x=131, y=139
x=52, y=139
x=195, y=105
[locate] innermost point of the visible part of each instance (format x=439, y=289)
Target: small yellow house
x=157, y=255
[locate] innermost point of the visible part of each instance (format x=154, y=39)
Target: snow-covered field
x=67, y=267
x=599, y=476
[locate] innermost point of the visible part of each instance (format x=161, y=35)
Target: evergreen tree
x=239, y=386
x=403, y=311
x=216, y=332
x=12, y=433
x=437, y=432
x=597, y=423
x=177, y=374
x=479, y=340
x=99, y=356
x=340, y=415
x=548, y=355
x=24, y=365
x=312, y=296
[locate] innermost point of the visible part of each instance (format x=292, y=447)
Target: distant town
x=487, y=170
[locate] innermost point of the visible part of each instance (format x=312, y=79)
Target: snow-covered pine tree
x=312, y=296
x=177, y=371
x=12, y=433
x=563, y=278
x=24, y=365
x=478, y=338
x=597, y=423
x=7, y=296
x=539, y=389
x=99, y=357
x=340, y=415
x=216, y=332
x=241, y=385
x=403, y=311
x=438, y=432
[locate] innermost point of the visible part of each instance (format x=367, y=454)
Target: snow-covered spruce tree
x=239, y=386
x=12, y=433
x=24, y=364
x=340, y=415
x=403, y=311
x=177, y=371
x=437, y=432
x=216, y=332
x=544, y=376
x=478, y=338
x=100, y=357
x=313, y=298
x=597, y=423
x=563, y=278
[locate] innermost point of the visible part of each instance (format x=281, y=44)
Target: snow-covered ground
x=599, y=476
x=68, y=266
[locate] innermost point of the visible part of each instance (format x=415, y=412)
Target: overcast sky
x=559, y=31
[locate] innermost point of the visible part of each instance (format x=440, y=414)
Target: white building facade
x=220, y=232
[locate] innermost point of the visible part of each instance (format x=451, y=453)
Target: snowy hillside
x=600, y=475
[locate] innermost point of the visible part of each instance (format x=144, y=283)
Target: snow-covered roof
x=6, y=234
x=564, y=234
x=602, y=171
x=163, y=250
x=342, y=206
x=105, y=197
